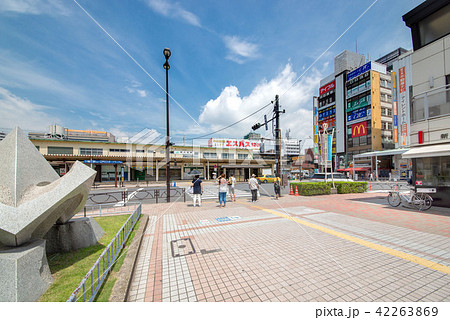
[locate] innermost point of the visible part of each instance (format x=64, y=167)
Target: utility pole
x=276, y=118
x=276, y=111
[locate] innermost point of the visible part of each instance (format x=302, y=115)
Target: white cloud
x=240, y=50
x=35, y=7
x=16, y=111
x=295, y=98
x=139, y=92
x=173, y=10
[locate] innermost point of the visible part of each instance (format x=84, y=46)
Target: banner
x=329, y=147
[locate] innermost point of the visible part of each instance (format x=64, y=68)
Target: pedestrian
x=231, y=184
x=198, y=190
x=277, y=189
x=254, y=187
x=223, y=188
x=371, y=176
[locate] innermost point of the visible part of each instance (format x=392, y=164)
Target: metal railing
x=92, y=282
x=99, y=210
x=122, y=197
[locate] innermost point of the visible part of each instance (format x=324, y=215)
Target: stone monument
x=33, y=198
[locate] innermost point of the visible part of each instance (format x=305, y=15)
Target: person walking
x=254, y=187
x=223, y=188
x=231, y=184
x=276, y=188
x=198, y=190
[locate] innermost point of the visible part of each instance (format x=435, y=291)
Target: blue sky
x=229, y=58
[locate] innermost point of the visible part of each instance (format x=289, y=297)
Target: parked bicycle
x=420, y=200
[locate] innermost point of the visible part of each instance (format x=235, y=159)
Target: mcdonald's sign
x=359, y=129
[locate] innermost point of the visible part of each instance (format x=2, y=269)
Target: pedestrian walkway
x=211, y=192
x=326, y=248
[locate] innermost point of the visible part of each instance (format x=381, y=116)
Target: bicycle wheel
x=394, y=199
x=422, y=201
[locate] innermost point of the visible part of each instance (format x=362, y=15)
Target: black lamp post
x=166, y=66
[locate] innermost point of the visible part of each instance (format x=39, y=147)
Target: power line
x=211, y=133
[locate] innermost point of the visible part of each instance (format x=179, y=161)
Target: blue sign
x=395, y=120
x=357, y=114
x=329, y=147
x=223, y=219
x=359, y=71
x=103, y=161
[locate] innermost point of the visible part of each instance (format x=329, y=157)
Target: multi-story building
x=146, y=162
x=330, y=106
x=356, y=104
x=253, y=136
x=430, y=98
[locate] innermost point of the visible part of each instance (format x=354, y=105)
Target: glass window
x=433, y=171
x=227, y=156
x=242, y=156
x=91, y=151
x=210, y=155
x=59, y=150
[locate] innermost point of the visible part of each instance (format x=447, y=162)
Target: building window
x=140, y=151
x=119, y=150
x=59, y=150
x=209, y=155
x=227, y=156
x=242, y=156
x=91, y=151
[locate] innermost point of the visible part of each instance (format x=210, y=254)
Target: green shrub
x=318, y=188
x=312, y=188
x=349, y=186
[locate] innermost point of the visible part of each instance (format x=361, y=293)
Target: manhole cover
x=182, y=247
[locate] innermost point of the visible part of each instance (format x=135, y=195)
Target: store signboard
x=358, y=114
x=327, y=87
x=329, y=147
x=103, y=161
x=359, y=129
x=394, y=95
x=233, y=143
x=403, y=112
x=359, y=71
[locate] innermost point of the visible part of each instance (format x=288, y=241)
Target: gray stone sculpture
x=32, y=199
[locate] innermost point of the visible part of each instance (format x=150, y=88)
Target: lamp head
x=166, y=53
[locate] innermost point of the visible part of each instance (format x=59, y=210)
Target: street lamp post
x=166, y=66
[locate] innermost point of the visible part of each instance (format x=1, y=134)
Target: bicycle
x=422, y=201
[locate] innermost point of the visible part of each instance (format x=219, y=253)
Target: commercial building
x=59, y=132
x=146, y=162
x=355, y=105
x=430, y=98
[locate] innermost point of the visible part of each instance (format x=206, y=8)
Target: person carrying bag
x=197, y=191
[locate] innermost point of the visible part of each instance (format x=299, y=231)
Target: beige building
x=145, y=162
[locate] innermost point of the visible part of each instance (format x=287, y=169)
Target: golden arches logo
x=359, y=129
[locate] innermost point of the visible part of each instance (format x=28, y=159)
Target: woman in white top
x=223, y=188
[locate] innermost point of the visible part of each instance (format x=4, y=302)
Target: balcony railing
x=431, y=104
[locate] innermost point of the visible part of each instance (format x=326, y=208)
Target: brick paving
x=252, y=252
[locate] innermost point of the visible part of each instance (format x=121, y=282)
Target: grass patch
x=68, y=269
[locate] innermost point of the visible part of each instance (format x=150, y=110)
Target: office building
x=430, y=98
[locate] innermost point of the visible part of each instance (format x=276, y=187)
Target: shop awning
x=390, y=152
x=243, y=166
x=356, y=169
x=440, y=150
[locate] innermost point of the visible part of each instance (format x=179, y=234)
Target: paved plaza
x=339, y=248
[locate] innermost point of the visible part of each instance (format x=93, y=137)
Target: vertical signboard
x=403, y=105
x=329, y=147
x=394, y=95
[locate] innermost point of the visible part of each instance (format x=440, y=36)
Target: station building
x=146, y=162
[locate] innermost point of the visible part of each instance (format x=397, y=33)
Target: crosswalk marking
x=211, y=192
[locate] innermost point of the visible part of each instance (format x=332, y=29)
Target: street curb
x=125, y=274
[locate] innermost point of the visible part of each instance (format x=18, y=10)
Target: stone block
x=25, y=274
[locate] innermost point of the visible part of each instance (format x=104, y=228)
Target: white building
x=430, y=98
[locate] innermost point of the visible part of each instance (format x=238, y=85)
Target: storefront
x=431, y=169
